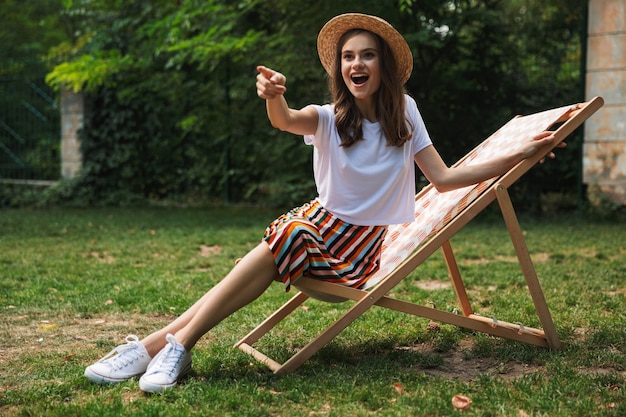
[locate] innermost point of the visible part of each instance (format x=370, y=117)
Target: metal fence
x=29, y=125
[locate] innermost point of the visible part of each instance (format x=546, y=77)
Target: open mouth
x=359, y=79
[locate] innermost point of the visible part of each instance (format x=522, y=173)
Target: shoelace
x=170, y=358
x=123, y=355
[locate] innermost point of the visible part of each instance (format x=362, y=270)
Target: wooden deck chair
x=439, y=216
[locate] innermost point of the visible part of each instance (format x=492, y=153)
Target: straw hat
x=332, y=31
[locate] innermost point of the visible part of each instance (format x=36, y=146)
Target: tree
x=174, y=82
x=478, y=63
x=30, y=28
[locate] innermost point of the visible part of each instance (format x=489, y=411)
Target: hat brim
x=334, y=29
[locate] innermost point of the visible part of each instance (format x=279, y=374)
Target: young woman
x=366, y=144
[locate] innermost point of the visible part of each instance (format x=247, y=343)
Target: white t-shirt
x=369, y=183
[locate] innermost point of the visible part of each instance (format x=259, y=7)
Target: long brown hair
x=389, y=99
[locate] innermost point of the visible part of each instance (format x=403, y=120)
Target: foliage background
x=173, y=113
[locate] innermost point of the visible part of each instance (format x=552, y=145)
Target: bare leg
x=246, y=282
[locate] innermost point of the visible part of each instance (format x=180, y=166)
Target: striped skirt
x=310, y=241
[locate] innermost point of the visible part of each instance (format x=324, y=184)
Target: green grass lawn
x=74, y=283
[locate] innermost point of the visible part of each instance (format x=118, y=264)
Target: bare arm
x=271, y=87
x=445, y=178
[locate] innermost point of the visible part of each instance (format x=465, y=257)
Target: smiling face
x=360, y=67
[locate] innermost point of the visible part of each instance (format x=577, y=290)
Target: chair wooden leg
x=457, y=281
x=512, y=224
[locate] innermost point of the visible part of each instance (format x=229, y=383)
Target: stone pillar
x=72, y=110
x=604, y=150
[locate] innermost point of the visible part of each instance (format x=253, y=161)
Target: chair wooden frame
x=495, y=190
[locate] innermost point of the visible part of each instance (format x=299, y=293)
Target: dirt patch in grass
x=539, y=258
x=459, y=365
x=68, y=337
x=433, y=285
x=87, y=339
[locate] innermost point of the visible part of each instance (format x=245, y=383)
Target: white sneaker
x=122, y=363
x=170, y=364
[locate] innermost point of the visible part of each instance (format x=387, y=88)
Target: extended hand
x=269, y=83
x=538, y=142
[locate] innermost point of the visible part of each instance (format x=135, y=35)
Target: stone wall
x=604, y=150
x=72, y=109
